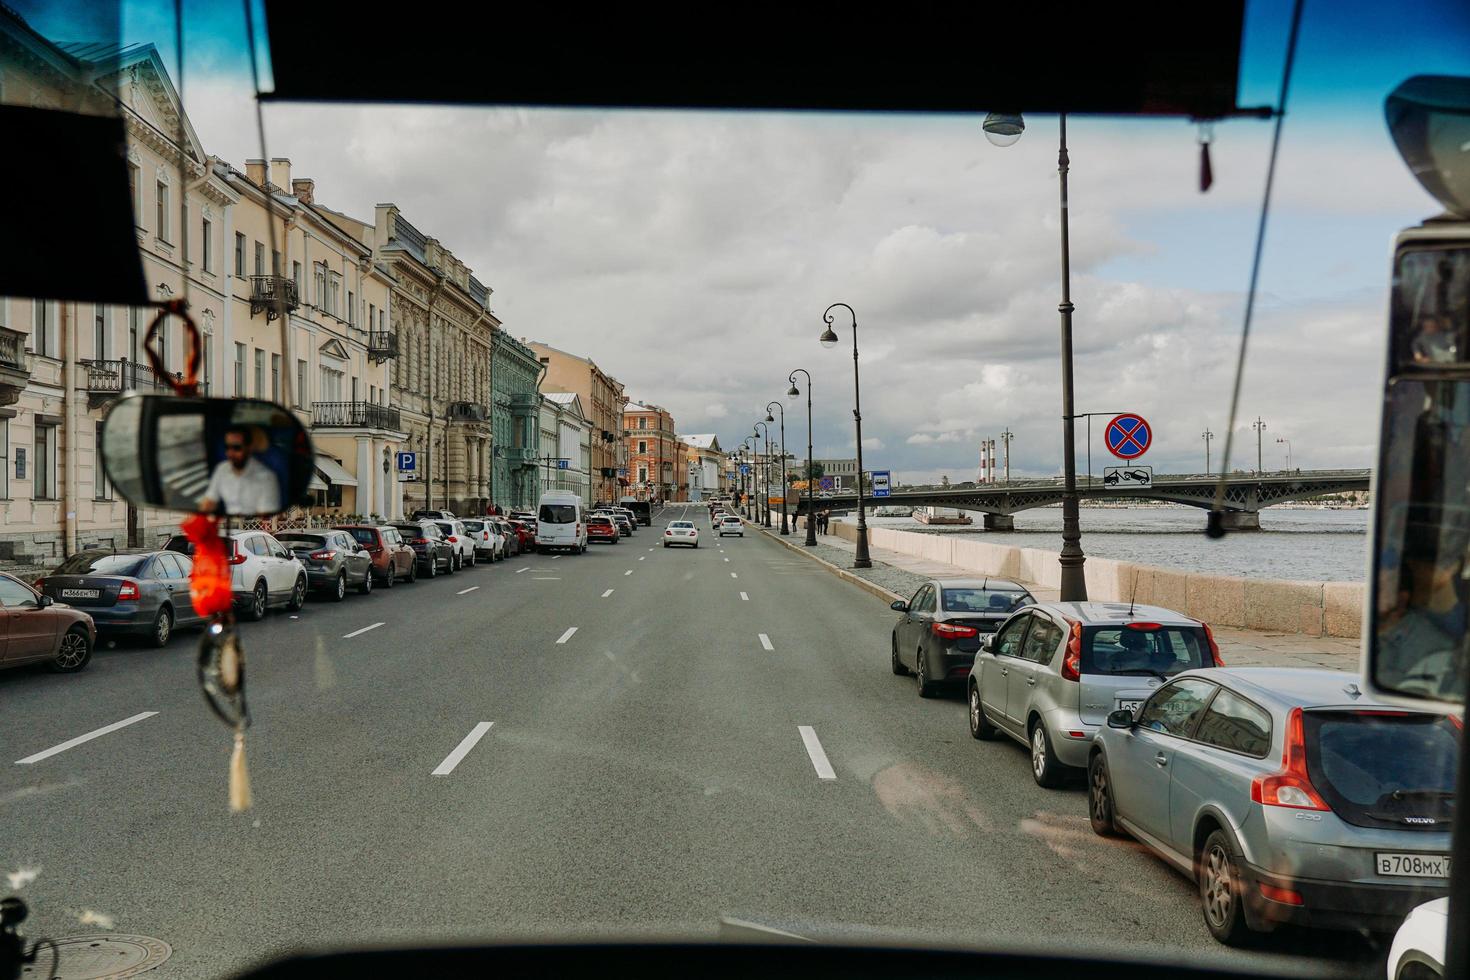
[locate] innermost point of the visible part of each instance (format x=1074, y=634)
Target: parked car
x=730, y=524
x=392, y=558
x=1288, y=794
x=459, y=538
x=629, y=516
x=333, y=560
x=939, y=633
x=526, y=534
x=485, y=540
x=1052, y=672
x=600, y=528
x=681, y=533
x=141, y=593
x=433, y=515
x=1417, y=952
x=623, y=523
x=511, y=535
x=432, y=553
x=263, y=574
x=37, y=628
x=559, y=523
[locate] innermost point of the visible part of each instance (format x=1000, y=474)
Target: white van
x=560, y=522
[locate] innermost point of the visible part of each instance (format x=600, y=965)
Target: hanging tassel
x=229, y=664
x=1206, y=172
x=239, y=777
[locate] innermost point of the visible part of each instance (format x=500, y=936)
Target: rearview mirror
x=899, y=605
x=43, y=601
x=1121, y=718
x=987, y=642
x=237, y=456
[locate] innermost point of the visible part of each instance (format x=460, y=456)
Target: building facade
x=515, y=373
x=566, y=436
x=602, y=401
x=705, y=472
x=655, y=466
x=842, y=471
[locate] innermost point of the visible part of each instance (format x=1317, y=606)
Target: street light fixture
x=811, y=480
x=785, y=530
x=1288, y=451
x=828, y=339
x=1003, y=129
x=766, y=469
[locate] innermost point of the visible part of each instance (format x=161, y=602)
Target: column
x=365, y=480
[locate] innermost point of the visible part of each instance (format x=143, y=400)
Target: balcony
x=382, y=345
x=15, y=366
x=354, y=415
x=467, y=412
x=106, y=380
x=267, y=293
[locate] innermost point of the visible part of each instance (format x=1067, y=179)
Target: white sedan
x=731, y=525
x=1418, y=947
x=681, y=532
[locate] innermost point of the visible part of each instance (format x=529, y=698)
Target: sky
x=692, y=254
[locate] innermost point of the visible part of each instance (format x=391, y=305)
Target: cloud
x=716, y=411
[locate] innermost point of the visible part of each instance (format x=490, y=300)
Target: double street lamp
x=811, y=480
x=782, y=409
x=1003, y=129
x=766, y=471
x=829, y=339
x=746, y=478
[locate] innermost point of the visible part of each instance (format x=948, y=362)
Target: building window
x=642, y=422
x=331, y=384
x=296, y=275
x=382, y=319
x=44, y=486
x=5, y=459
x=301, y=384
x=134, y=331
x=135, y=192
x=43, y=328
x=162, y=216
x=239, y=370
x=103, y=488
x=99, y=333
x=351, y=309
x=642, y=446
x=332, y=303
x=259, y=372
x=239, y=254
x=642, y=474
x=372, y=315
x=275, y=377
x=259, y=259
x=206, y=237
x=208, y=361
x=276, y=267
x=319, y=284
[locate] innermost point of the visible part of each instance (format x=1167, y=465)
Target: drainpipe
x=69, y=407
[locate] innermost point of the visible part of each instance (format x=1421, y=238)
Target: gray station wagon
x=1288, y=794
x=1053, y=671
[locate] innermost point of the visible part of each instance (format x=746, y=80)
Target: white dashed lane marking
x=744, y=597
x=462, y=749
x=72, y=743
x=766, y=642
x=567, y=635
x=348, y=636
x=467, y=591
x=815, y=752
x=607, y=593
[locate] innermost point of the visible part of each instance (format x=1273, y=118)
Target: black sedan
x=431, y=549
x=939, y=634
x=334, y=560
x=144, y=593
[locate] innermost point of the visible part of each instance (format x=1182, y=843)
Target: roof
x=564, y=397
x=1291, y=687
x=1117, y=612
x=979, y=583
x=705, y=440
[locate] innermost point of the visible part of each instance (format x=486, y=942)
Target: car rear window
x=1384, y=768
x=681, y=524
x=366, y=535
x=984, y=600
x=474, y=525
x=292, y=539
x=1144, y=649
x=558, y=514
x=101, y=563
x=599, y=521
x=731, y=520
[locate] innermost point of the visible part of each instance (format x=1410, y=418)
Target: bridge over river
x=1245, y=495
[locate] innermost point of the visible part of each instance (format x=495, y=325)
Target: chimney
x=255, y=170
x=281, y=172
x=303, y=189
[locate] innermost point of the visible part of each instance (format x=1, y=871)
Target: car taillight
x=1072, y=661
x=667, y=532
x=419, y=541
x=1285, y=896
x=129, y=590
x=953, y=631
x=39, y=583
x=452, y=539
x=323, y=555
x=1214, y=647
x=237, y=557
x=1289, y=786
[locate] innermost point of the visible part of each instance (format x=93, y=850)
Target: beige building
x=566, y=435
x=602, y=400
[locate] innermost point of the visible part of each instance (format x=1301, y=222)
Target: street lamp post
x=785, y=530
x=1260, y=427
x=829, y=339
x=1288, y=451
x=1003, y=129
x=811, y=480
x=1207, y=435
x=747, y=478
x=766, y=470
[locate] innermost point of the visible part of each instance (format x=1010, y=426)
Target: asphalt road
x=654, y=771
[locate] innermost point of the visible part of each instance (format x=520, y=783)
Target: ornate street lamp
x=766, y=471
x=782, y=409
x=829, y=339
x=811, y=480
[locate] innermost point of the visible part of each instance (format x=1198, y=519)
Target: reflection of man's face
x=236, y=451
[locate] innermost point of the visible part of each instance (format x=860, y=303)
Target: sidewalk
x=1240, y=647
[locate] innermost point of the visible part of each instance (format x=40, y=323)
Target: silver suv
x=1053, y=671
x=1288, y=794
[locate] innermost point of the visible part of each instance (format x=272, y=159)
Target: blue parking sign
x=408, y=462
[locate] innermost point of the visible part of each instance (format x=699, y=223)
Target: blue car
x=141, y=593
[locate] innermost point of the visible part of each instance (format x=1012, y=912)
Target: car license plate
x=1131, y=705
x=1413, y=865
x=81, y=593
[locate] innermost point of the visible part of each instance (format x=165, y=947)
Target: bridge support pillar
x=1000, y=522
x=1241, y=520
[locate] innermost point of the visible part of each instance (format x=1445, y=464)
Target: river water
x=1307, y=544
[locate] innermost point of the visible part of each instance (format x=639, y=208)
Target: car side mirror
x=987, y=642
x=43, y=601
x=899, y=605
x=1121, y=718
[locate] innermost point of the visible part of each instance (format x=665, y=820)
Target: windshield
x=94, y=563
x=882, y=355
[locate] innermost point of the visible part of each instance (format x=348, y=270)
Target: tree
x=817, y=471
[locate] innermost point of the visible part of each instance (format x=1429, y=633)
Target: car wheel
x=1220, y=891
x=433, y=566
x=163, y=628
x=473, y=560
x=339, y=587
x=925, y=685
x=256, y=612
x=413, y=571
x=367, y=583
x=1045, y=768
x=451, y=564
x=898, y=667
x=980, y=726
x=74, y=653
x=298, y=595
x=456, y=562
x=391, y=579
x=1100, y=797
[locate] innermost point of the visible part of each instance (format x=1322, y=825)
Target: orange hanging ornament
x=209, y=586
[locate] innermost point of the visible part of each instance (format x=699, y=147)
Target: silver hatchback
x=1052, y=672
x=1288, y=794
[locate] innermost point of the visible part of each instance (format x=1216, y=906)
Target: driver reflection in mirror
x=241, y=484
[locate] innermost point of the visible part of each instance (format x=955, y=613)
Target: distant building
x=566, y=434
x=602, y=400
x=654, y=463
x=706, y=466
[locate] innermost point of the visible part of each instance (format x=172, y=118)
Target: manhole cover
x=100, y=957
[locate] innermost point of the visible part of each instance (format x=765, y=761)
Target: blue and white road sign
x=408, y=462
x=1128, y=436
x=563, y=464
x=881, y=482
x=826, y=483
x=744, y=469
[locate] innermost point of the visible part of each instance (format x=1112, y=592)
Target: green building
x=515, y=374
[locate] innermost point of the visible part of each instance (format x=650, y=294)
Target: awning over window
x=331, y=470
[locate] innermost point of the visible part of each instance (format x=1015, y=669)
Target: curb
x=842, y=573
